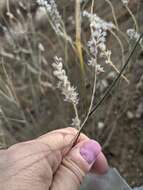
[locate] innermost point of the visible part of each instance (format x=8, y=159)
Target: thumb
x=76, y=165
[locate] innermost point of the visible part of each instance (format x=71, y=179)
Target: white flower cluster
x=76, y=122
x=92, y=62
x=64, y=84
x=100, y=28
x=134, y=35
x=97, y=43
x=125, y=2
x=99, y=22
x=51, y=8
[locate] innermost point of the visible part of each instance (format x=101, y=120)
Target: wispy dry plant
x=101, y=27
x=69, y=92
x=26, y=57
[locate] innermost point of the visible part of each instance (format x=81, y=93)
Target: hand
x=46, y=163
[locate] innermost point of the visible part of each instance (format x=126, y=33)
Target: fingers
x=61, y=139
x=76, y=164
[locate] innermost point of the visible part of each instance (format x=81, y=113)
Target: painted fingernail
x=89, y=151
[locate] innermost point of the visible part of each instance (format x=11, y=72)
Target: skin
x=49, y=162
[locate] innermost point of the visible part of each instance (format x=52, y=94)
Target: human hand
x=47, y=164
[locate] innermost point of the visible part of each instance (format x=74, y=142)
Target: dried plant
x=67, y=90
x=26, y=74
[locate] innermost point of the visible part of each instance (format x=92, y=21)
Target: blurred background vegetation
x=31, y=105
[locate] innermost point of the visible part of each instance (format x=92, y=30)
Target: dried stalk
x=78, y=34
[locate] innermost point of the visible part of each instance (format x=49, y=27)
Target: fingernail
x=89, y=151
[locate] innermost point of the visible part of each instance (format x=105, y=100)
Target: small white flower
x=93, y=63
x=92, y=47
x=125, y=2
x=102, y=46
x=76, y=122
x=133, y=35
x=41, y=47
x=130, y=115
x=100, y=125
x=99, y=69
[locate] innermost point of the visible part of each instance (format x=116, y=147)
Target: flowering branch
x=68, y=91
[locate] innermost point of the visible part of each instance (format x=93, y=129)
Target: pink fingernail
x=89, y=151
